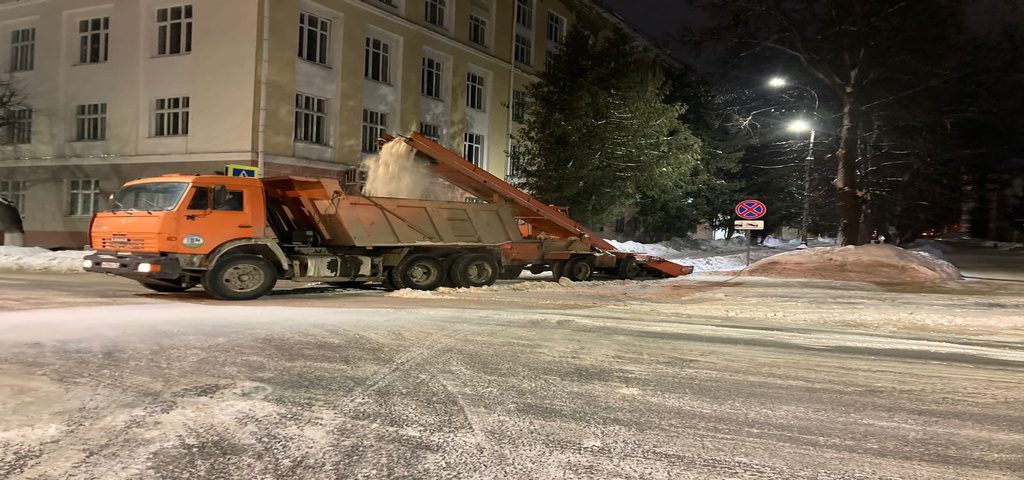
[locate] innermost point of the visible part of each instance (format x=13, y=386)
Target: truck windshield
x=149, y=196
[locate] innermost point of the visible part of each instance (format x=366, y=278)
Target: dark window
x=200, y=199
x=93, y=40
x=314, y=33
x=232, y=203
x=174, y=30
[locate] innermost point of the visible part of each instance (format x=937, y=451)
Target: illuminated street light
x=799, y=126
x=777, y=82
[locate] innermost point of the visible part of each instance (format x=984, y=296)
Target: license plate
x=110, y=265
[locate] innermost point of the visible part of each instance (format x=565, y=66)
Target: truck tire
x=579, y=269
x=418, y=272
x=475, y=270
x=630, y=269
x=240, y=277
x=171, y=286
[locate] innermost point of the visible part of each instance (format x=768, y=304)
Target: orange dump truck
x=238, y=236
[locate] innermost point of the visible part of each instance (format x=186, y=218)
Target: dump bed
x=343, y=220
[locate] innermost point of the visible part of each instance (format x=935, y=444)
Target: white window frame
x=524, y=14
x=23, y=49
x=171, y=116
x=165, y=29
x=556, y=25
x=432, y=131
x=432, y=78
x=523, y=51
x=311, y=119
x=514, y=168
x=91, y=123
x=375, y=125
x=83, y=197
x=518, y=106
x=477, y=30
x=434, y=12
x=90, y=36
x=473, y=145
x=14, y=192
x=321, y=50
x=549, y=59
x=19, y=130
x=476, y=91
x=377, y=54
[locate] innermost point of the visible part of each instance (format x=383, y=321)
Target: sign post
x=242, y=171
x=749, y=211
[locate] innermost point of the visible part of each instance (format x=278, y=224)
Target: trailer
x=238, y=236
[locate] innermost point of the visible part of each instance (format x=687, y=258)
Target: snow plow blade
x=667, y=268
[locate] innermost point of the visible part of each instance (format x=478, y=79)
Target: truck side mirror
x=220, y=195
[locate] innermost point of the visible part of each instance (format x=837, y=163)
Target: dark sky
x=658, y=20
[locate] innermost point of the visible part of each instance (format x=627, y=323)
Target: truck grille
x=124, y=243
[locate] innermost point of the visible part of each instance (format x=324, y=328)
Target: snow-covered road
x=700, y=377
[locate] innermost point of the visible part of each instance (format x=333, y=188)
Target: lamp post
x=801, y=126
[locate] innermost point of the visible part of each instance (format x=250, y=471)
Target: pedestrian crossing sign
x=242, y=171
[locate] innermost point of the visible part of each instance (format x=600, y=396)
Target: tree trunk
x=847, y=198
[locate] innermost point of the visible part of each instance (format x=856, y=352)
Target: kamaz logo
x=192, y=241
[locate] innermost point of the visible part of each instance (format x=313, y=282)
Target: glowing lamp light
x=777, y=82
x=799, y=126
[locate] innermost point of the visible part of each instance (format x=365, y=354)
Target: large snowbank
x=865, y=263
x=35, y=259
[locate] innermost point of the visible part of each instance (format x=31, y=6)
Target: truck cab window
x=200, y=199
x=232, y=202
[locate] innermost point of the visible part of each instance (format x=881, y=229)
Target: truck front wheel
x=240, y=277
x=419, y=272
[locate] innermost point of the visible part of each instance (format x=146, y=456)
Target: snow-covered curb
x=35, y=259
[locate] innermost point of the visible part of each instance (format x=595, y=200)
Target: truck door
x=215, y=214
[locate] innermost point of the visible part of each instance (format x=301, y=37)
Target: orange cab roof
x=192, y=178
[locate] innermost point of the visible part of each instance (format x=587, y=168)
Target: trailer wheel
x=475, y=270
x=240, y=277
x=170, y=286
x=579, y=269
x=629, y=269
x=419, y=272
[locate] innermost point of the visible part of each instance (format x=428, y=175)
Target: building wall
x=224, y=75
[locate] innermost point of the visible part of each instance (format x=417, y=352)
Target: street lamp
x=802, y=126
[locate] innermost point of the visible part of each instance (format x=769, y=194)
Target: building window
x=91, y=122
x=620, y=225
x=556, y=28
x=14, y=191
x=83, y=197
x=170, y=117
x=431, y=78
x=477, y=30
x=377, y=64
x=474, y=91
x=473, y=149
x=174, y=30
x=523, y=49
x=93, y=40
x=516, y=158
x=19, y=126
x=524, y=13
x=23, y=50
x=310, y=119
x=375, y=125
x=314, y=33
x=431, y=131
x=435, y=12
x=518, y=106
x=549, y=59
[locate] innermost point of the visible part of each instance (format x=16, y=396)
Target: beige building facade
x=120, y=89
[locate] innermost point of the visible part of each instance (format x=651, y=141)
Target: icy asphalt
x=705, y=377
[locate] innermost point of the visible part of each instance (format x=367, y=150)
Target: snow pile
x=35, y=259
x=865, y=263
x=931, y=247
x=655, y=249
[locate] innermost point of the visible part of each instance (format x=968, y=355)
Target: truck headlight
x=87, y=264
x=145, y=267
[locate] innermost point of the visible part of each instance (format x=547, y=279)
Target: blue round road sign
x=751, y=209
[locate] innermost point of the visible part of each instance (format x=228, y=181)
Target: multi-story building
x=121, y=89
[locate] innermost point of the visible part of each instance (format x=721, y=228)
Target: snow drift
x=865, y=263
x=35, y=259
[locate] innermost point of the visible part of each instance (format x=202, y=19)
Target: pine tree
x=600, y=134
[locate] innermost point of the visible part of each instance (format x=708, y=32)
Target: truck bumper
x=133, y=265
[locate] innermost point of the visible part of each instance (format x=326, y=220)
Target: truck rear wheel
x=579, y=269
x=240, y=277
x=419, y=272
x=475, y=270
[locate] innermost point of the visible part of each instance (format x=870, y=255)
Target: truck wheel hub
x=243, y=278
x=479, y=272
